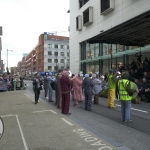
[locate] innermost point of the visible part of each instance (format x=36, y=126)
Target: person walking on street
x=111, y=88
x=50, y=90
x=37, y=87
x=97, y=87
x=87, y=86
x=65, y=85
x=124, y=97
x=46, y=85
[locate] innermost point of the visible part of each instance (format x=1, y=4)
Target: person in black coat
x=37, y=86
x=142, y=90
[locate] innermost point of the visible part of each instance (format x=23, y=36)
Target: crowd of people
x=11, y=82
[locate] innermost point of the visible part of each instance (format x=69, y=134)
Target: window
x=88, y=16
x=62, y=67
x=49, y=60
x=79, y=23
x=67, y=53
x=56, y=53
x=67, y=60
x=67, y=46
x=49, y=45
x=62, y=46
x=62, y=60
x=82, y=2
x=55, y=60
x=49, y=67
x=62, y=54
x=56, y=46
x=49, y=53
x=107, y=6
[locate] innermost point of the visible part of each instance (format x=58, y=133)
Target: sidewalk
x=40, y=127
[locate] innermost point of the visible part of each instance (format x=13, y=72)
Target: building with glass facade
x=107, y=34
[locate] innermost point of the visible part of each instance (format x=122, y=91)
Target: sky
x=24, y=20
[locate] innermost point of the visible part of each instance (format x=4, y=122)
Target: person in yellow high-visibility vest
x=111, y=88
x=124, y=97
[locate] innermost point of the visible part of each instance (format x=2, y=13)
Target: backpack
x=128, y=88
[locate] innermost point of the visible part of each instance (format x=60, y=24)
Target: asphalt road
x=102, y=123
x=107, y=123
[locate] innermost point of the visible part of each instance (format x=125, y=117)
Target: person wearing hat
x=87, y=86
x=111, y=88
x=125, y=98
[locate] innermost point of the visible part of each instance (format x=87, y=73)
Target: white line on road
x=53, y=111
x=67, y=121
x=136, y=109
x=45, y=111
x=24, y=141
x=10, y=115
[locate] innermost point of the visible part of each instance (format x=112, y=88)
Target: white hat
x=119, y=72
x=102, y=77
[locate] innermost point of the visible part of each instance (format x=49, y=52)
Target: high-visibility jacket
x=122, y=91
x=111, y=82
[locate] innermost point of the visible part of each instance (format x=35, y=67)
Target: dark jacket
x=87, y=85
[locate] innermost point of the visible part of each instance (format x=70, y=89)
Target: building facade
x=56, y=52
x=107, y=34
x=50, y=54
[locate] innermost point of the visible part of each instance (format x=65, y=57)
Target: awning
x=134, y=32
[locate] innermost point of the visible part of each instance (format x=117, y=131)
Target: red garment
x=65, y=84
x=59, y=91
x=77, y=89
x=65, y=103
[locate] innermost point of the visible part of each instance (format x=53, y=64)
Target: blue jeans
x=125, y=110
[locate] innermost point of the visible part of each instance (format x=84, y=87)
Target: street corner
x=1, y=127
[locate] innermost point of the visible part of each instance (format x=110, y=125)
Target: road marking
x=53, y=111
x=135, y=109
x=10, y=115
x=45, y=111
x=93, y=141
x=21, y=132
x=67, y=121
x=23, y=139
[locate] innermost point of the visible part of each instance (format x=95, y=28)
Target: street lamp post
x=7, y=58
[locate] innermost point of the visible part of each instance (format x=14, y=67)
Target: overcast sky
x=24, y=20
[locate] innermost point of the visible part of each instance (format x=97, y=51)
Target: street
x=43, y=127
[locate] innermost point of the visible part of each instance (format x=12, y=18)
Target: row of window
x=56, y=46
x=56, y=61
x=56, y=53
x=56, y=67
x=105, y=5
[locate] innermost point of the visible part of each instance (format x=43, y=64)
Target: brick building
x=50, y=54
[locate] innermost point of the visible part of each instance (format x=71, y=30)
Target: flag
x=110, y=51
